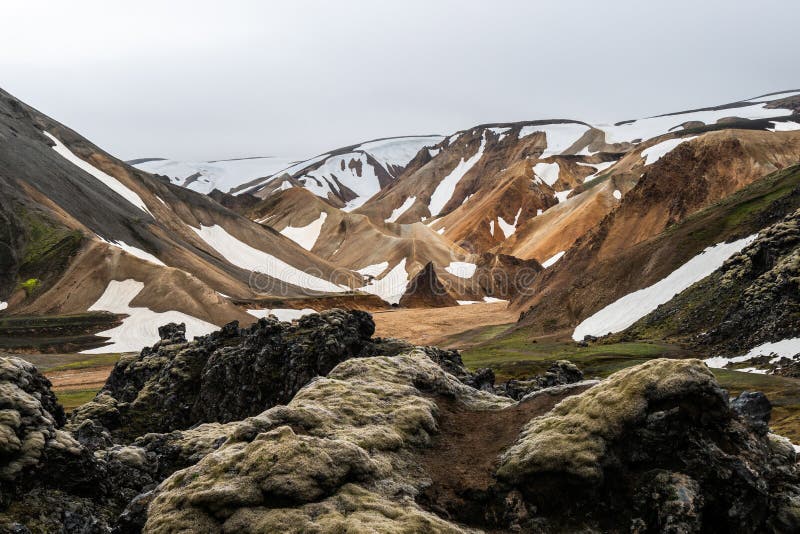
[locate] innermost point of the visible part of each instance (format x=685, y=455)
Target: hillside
x=86, y=232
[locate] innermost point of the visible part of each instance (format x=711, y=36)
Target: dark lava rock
x=560, y=373
x=225, y=376
x=754, y=409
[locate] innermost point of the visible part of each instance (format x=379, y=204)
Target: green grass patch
x=72, y=398
x=87, y=362
x=515, y=355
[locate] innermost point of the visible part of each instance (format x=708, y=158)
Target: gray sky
x=211, y=80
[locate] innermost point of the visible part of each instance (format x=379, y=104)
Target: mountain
x=84, y=231
x=205, y=176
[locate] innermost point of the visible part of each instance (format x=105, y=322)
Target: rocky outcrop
x=664, y=433
x=425, y=290
x=752, y=299
x=50, y=482
x=393, y=438
x=226, y=376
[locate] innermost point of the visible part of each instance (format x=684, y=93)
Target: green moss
x=47, y=248
x=30, y=285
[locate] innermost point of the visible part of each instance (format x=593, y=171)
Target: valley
x=537, y=326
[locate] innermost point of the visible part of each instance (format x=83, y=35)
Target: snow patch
x=112, y=183
x=508, y=228
x=243, y=255
x=501, y=133
x=561, y=196
x=133, y=251
x=140, y=328
x=374, y=270
x=785, y=348
x=224, y=175
x=617, y=194
x=307, y=235
x=787, y=126
x=467, y=302
x=622, y=313
x=283, y=314
x=462, y=269
x=559, y=136
x=392, y=286
x=444, y=191
x=549, y=262
x=659, y=150
x=547, y=172
x=399, y=151
x=654, y=126
x=3, y=305
x=397, y=212
x=493, y=299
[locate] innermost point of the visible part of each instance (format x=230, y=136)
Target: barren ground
x=440, y=326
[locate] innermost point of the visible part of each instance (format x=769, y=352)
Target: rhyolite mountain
x=679, y=228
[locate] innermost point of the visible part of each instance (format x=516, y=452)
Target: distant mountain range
x=590, y=213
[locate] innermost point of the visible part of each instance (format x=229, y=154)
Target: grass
x=515, y=354
x=72, y=398
x=87, y=362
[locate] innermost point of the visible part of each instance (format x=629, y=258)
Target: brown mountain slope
x=476, y=177
x=73, y=218
x=582, y=282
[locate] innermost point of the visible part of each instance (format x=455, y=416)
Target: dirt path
x=463, y=456
x=434, y=326
x=79, y=378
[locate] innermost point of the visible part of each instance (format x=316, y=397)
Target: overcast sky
x=211, y=80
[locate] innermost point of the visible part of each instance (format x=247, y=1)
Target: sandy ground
x=438, y=326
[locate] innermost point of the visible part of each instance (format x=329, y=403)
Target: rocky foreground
x=316, y=426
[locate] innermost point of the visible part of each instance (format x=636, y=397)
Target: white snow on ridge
x=769, y=98
x=283, y=314
x=493, y=299
x=3, y=305
x=243, y=255
x=501, y=133
x=654, y=126
x=399, y=151
x=140, y=328
x=397, y=212
x=223, y=175
x=561, y=196
x=444, y=191
x=787, y=126
x=599, y=167
x=622, y=313
x=112, y=183
x=559, y=136
x=547, y=172
x=462, y=269
x=785, y=348
x=134, y=251
x=508, y=229
x=374, y=270
x=392, y=286
x=549, y=262
x=307, y=235
x=659, y=150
